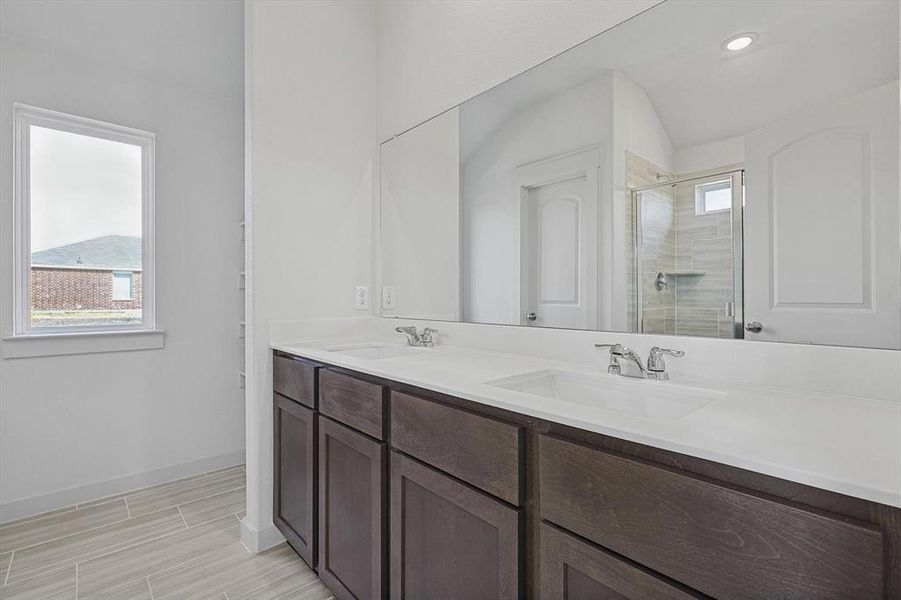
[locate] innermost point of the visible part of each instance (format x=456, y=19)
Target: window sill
x=59, y=344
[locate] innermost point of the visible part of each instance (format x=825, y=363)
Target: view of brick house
x=100, y=274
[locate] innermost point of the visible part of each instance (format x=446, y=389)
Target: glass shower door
x=688, y=256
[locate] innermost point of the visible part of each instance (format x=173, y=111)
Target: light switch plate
x=361, y=297
x=388, y=297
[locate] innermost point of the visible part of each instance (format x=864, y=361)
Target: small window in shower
x=713, y=197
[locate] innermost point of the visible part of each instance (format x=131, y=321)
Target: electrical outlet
x=388, y=297
x=361, y=297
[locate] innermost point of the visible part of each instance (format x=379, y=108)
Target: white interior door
x=821, y=225
x=559, y=254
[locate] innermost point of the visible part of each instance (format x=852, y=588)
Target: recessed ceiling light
x=739, y=42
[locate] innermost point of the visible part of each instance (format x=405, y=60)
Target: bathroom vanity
x=390, y=489
x=727, y=182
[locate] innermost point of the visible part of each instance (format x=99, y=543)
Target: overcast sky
x=81, y=188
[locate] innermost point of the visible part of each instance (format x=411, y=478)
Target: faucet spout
x=411, y=334
x=618, y=352
x=634, y=358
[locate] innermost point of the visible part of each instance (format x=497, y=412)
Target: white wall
x=713, y=155
x=573, y=119
x=72, y=427
x=311, y=96
x=637, y=126
x=434, y=55
x=637, y=129
x=611, y=112
x=420, y=220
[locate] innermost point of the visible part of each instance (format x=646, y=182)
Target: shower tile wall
x=658, y=254
x=642, y=173
x=704, y=244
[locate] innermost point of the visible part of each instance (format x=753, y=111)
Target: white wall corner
x=258, y=540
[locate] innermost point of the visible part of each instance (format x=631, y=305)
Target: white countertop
x=845, y=444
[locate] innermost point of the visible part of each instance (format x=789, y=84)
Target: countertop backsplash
x=863, y=372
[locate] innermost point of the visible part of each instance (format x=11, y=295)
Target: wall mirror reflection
x=735, y=177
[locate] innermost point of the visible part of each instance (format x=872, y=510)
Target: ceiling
x=808, y=52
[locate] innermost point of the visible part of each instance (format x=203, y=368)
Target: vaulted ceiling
x=807, y=52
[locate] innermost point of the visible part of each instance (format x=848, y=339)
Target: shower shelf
x=684, y=273
x=661, y=282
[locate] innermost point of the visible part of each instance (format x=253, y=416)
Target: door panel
x=821, y=225
x=351, y=500
x=295, y=475
x=449, y=541
x=560, y=254
x=558, y=242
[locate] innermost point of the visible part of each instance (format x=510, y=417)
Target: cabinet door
x=294, y=511
x=352, y=491
x=572, y=569
x=449, y=541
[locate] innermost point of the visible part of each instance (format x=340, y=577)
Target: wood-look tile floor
x=175, y=541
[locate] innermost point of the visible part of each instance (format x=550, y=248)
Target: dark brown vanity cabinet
x=390, y=490
x=352, y=504
x=294, y=452
x=295, y=379
x=295, y=475
x=482, y=452
x=449, y=540
x=720, y=540
x=574, y=569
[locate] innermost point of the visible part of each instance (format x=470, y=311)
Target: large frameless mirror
x=736, y=176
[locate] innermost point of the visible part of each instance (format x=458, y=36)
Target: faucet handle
x=427, y=337
x=656, y=363
x=614, y=348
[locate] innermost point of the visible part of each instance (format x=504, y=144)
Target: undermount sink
x=662, y=401
x=375, y=351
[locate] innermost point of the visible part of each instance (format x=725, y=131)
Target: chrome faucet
x=424, y=340
x=656, y=368
x=634, y=366
x=656, y=364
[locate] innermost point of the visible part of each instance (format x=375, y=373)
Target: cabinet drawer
x=573, y=569
x=724, y=542
x=295, y=379
x=449, y=540
x=352, y=401
x=478, y=450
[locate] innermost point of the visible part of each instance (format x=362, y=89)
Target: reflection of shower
x=687, y=255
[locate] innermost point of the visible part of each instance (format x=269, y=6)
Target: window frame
x=25, y=116
x=700, y=196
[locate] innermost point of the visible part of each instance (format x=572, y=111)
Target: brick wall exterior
x=79, y=289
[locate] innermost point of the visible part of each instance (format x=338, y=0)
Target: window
x=713, y=197
x=122, y=286
x=84, y=225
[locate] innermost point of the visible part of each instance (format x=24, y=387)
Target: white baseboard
x=258, y=540
x=26, y=507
